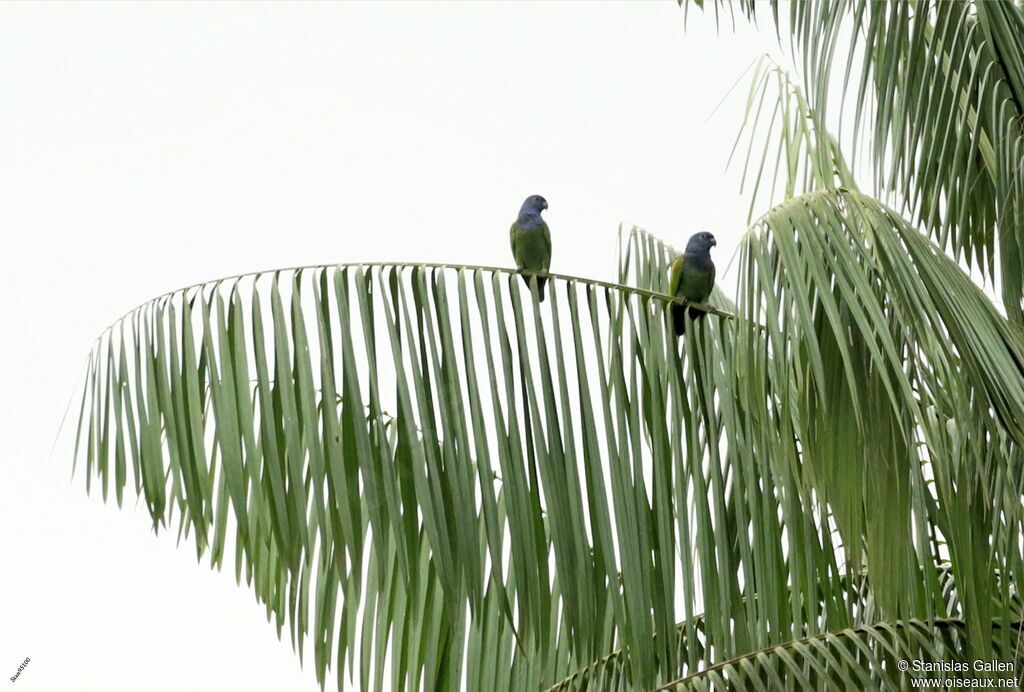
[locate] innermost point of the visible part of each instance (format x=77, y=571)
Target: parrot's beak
x=714, y=242
x=545, y=205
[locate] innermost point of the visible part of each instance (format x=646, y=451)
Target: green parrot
x=692, y=277
x=531, y=241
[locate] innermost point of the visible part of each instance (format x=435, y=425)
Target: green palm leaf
x=461, y=466
x=864, y=658
x=264, y=398
x=935, y=89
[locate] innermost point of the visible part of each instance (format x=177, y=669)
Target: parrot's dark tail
x=679, y=318
x=541, y=281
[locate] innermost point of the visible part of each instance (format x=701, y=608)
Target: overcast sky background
x=147, y=147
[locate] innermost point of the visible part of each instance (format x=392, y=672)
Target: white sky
x=146, y=147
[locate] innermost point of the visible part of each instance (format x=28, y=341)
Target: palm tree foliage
x=443, y=483
x=937, y=90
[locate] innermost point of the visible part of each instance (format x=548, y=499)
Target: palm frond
x=503, y=491
x=379, y=436
x=807, y=157
x=862, y=658
x=612, y=671
x=937, y=91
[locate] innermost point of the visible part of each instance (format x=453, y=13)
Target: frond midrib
x=567, y=278
x=937, y=623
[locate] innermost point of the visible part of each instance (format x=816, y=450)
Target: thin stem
x=703, y=307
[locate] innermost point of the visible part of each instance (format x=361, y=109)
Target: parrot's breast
x=531, y=250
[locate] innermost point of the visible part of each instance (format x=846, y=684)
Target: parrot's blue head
x=534, y=204
x=701, y=243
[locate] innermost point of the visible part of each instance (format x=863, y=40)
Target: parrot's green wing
x=675, y=275
x=547, y=244
x=512, y=235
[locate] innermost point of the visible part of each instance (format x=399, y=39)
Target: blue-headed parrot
x=531, y=241
x=692, y=276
